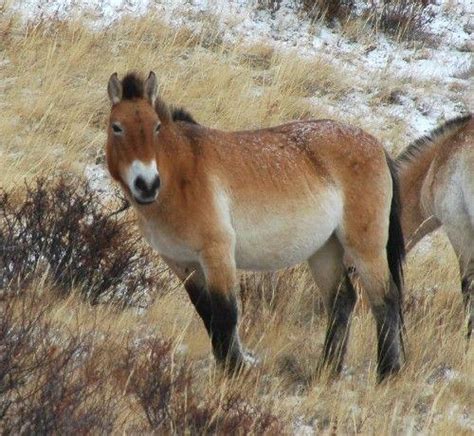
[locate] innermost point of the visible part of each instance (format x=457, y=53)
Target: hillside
x=138, y=359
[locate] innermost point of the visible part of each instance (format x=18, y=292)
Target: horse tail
x=396, y=243
x=396, y=246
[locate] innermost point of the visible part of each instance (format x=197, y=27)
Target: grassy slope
x=53, y=80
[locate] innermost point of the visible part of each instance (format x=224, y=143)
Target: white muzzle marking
x=148, y=172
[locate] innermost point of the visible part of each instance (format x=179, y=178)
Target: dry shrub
x=47, y=384
x=403, y=18
x=173, y=404
x=329, y=10
x=60, y=229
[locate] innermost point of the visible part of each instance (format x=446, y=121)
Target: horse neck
x=416, y=221
x=175, y=154
x=177, y=160
x=413, y=166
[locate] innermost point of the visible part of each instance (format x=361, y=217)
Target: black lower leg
x=223, y=329
x=201, y=300
x=389, y=336
x=339, y=318
x=467, y=286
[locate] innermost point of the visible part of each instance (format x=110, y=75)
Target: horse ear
x=114, y=89
x=151, y=88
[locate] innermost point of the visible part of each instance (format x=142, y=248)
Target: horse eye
x=157, y=128
x=116, y=128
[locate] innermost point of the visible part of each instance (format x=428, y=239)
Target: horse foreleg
x=194, y=282
x=219, y=268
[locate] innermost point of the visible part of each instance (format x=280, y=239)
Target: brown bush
x=404, y=18
x=59, y=382
x=46, y=384
x=329, y=10
x=171, y=402
x=60, y=228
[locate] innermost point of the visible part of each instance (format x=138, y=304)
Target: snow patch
x=300, y=428
x=99, y=181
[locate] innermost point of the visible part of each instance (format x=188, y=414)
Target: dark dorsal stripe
x=417, y=147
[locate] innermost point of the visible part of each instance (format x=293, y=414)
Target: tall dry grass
x=54, y=108
x=53, y=75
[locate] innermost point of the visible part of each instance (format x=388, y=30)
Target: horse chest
x=167, y=244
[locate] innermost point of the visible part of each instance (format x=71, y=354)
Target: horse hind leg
x=339, y=300
x=340, y=310
x=385, y=300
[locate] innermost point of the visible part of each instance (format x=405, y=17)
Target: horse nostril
x=140, y=185
x=147, y=190
x=156, y=184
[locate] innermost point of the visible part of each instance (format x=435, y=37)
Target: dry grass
x=53, y=77
x=52, y=82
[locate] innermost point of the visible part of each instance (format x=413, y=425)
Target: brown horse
x=211, y=201
x=437, y=188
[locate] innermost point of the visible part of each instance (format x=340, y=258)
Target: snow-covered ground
x=447, y=63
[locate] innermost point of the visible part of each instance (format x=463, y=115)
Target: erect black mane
x=181, y=114
x=417, y=147
x=132, y=86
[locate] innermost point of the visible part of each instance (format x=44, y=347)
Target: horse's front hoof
x=242, y=361
x=388, y=373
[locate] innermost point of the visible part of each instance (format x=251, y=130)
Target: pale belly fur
x=284, y=235
x=268, y=236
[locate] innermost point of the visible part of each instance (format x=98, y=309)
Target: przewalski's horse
x=437, y=188
x=211, y=201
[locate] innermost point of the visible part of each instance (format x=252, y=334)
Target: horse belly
x=287, y=236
